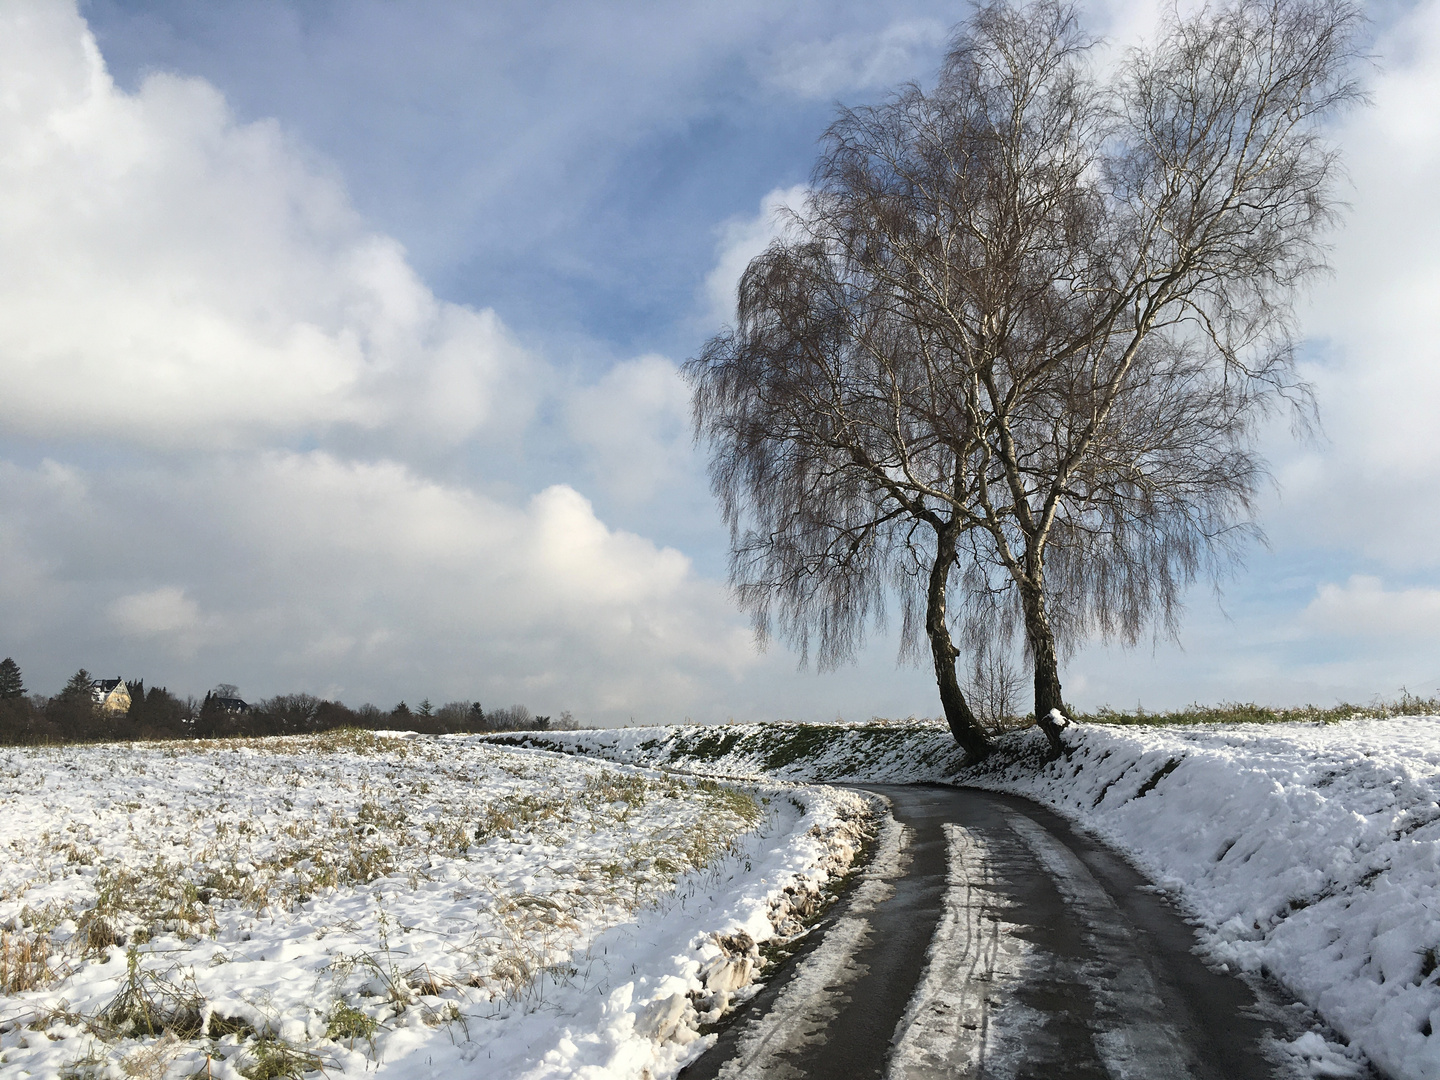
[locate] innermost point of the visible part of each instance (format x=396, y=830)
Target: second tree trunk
x=963, y=725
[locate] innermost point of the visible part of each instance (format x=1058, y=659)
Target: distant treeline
x=73, y=715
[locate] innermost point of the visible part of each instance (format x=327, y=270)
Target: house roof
x=105, y=685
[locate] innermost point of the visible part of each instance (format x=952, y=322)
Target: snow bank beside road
x=678, y=966
x=1310, y=852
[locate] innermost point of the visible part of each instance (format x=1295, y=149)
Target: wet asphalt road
x=1052, y=959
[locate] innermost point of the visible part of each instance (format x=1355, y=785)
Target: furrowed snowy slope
x=1309, y=852
x=903, y=752
x=404, y=905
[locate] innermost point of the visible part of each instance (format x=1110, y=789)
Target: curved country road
x=988, y=939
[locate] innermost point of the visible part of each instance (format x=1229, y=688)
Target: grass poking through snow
x=286, y=905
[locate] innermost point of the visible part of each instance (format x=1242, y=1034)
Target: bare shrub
x=370, y=716
x=995, y=685
x=510, y=718
x=454, y=714
x=290, y=712
x=149, y=1004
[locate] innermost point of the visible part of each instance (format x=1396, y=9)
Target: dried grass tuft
x=151, y=1062
x=24, y=961
x=346, y=1023
x=272, y=1058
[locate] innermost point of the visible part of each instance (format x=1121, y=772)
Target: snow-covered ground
x=1308, y=852
x=393, y=904
x=409, y=904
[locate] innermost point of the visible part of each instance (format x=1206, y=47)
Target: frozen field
x=392, y=904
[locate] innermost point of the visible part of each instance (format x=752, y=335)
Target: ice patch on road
x=974, y=959
x=1134, y=1038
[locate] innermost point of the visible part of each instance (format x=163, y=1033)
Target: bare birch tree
x=1007, y=364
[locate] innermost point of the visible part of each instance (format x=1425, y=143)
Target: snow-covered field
x=1308, y=852
x=385, y=903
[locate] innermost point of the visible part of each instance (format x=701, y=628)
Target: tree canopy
x=1005, y=364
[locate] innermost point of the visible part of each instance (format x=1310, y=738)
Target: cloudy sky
x=339, y=348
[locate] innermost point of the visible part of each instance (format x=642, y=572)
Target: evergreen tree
x=11, y=685
x=73, y=710
x=211, y=721
x=164, y=709
x=79, y=687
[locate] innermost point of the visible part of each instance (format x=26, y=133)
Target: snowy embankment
x=1308, y=852
x=902, y=752
x=395, y=904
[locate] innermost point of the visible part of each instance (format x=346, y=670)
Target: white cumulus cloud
x=1364, y=608
x=334, y=575
x=634, y=422
x=270, y=444
x=1374, y=356
x=159, y=611
x=172, y=277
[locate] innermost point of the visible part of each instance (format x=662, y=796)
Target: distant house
x=232, y=705
x=111, y=695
